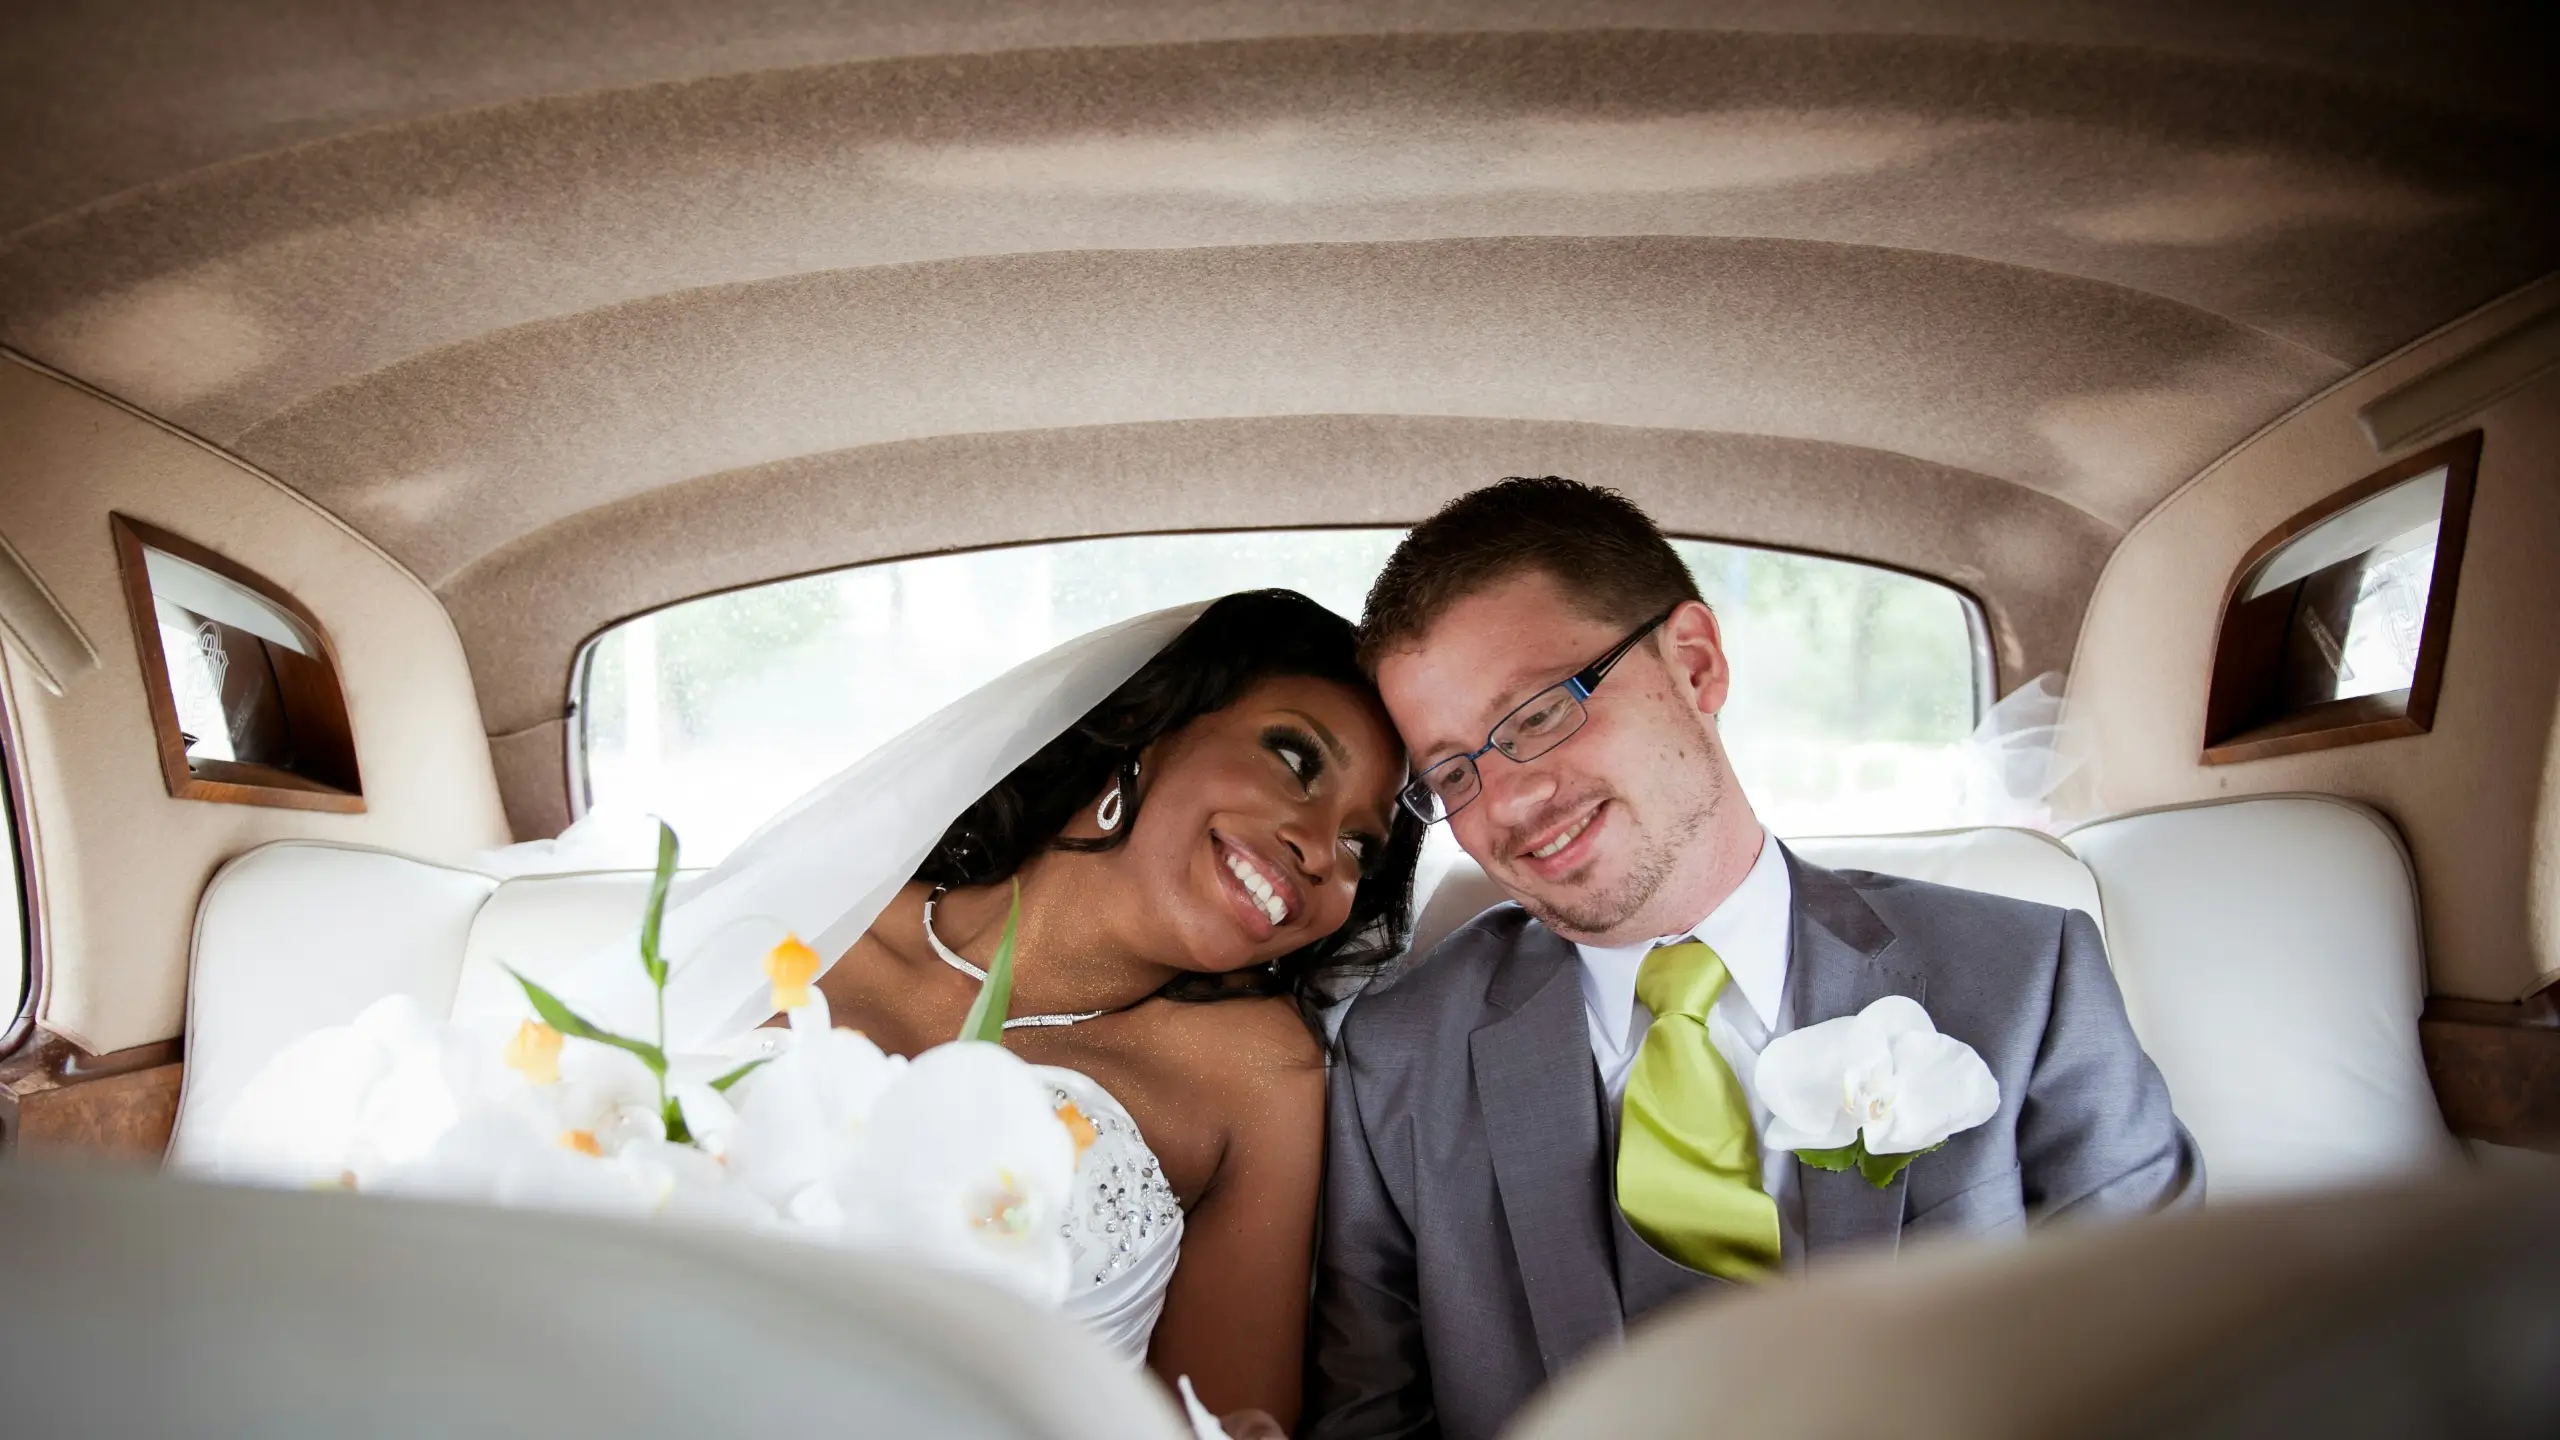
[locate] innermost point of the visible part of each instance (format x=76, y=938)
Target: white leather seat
x=298, y=935
x=537, y=925
x=2270, y=957
x=2268, y=951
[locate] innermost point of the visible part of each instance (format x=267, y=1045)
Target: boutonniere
x=1872, y=1091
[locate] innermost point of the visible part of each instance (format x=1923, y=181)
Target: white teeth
x=1274, y=908
x=1561, y=841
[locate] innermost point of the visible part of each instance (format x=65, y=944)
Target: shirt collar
x=1750, y=933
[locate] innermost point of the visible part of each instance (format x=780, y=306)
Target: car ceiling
x=530, y=294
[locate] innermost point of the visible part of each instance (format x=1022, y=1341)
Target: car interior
x=2123, y=443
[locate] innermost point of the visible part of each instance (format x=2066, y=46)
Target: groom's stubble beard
x=1661, y=844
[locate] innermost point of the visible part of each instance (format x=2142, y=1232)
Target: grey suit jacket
x=1467, y=1249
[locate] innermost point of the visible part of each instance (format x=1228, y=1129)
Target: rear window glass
x=1855, y=687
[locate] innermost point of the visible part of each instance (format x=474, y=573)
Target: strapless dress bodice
x=1123, y=1225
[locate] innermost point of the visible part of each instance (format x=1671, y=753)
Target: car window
x=1855, y=686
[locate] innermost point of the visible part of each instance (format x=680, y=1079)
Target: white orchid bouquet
x=961, y=1156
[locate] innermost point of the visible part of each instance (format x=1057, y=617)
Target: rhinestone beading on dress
x=1122, y=1202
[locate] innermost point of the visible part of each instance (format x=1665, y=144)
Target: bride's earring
x=1107, y=814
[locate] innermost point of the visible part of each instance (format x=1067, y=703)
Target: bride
x=1203, y=857
x=1198, y=810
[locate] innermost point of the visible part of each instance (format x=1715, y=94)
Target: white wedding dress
x=1123, y=1226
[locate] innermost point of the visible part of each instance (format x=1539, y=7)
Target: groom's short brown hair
x=1607, y=554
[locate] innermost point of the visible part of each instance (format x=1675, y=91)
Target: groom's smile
x=1557, y=851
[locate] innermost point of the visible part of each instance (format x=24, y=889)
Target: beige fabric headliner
x=490, y=279
x=121, y=863
x=2479, y=796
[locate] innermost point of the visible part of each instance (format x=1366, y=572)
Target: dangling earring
x=1107, y=814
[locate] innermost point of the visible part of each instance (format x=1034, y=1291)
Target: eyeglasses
x=1535, y=726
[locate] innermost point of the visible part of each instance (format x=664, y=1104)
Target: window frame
x=1984, y=654
x=230, y=782
x=2242, y=655
x=17, y=1029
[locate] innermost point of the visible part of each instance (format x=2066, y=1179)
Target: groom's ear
x=1691, y=643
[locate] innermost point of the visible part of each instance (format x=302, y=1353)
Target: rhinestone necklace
x=953, y=959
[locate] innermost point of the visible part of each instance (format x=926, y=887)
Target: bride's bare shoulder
x=1254, y=1061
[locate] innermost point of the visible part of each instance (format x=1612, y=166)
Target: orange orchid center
x=791, y=965
x=535, y=1053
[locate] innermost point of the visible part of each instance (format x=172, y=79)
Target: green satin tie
x=1688, y=1157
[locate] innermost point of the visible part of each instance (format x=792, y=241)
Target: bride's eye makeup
x=1298, y=750
x=1305, y=758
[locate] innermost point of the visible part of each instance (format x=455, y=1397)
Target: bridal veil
x=827, y=866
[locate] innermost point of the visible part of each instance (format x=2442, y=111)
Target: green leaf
x=1844, y=1158
x=742, y=1072
x=651, y=917
x=568, y=1022
x=1880, y=1169
x=995, y=996
x=678, y=1133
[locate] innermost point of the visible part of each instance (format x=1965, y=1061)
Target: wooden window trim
x=223, y=782
x=2391, y=713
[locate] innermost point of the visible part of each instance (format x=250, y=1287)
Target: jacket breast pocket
x=1991, y=1205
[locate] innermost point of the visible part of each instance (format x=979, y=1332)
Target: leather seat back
x=2270, y=957
x=2268, y=950
x=298, y=935
x=540, y=925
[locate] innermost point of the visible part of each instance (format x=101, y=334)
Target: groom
x=1548, y=1127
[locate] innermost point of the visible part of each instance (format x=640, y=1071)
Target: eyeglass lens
x=1542, y=722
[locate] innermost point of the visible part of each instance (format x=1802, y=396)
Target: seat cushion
x=2270, y=958
x=298, y=935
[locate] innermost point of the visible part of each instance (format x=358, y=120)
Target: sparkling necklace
x=952, y=958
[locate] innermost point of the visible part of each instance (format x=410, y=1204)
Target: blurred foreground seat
x=2422, y=1310
x=146, y=1305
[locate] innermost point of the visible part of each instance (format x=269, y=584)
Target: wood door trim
x=2496, y=1067
x=57, y=1095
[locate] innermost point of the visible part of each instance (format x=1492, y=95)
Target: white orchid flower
x=1883, y=1079
x=965, y=1163
x=344, y=1104
x=799, y=1117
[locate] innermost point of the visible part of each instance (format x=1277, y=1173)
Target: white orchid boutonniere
x=1872, y=1091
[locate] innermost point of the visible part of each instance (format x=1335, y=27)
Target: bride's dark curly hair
x=1238, y=641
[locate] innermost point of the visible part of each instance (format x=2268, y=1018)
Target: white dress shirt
x=1752, y=932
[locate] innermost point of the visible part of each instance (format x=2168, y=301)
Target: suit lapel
x=1541, y=1108
x=1838, y=967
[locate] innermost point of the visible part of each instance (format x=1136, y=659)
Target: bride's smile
x=1262, y=891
